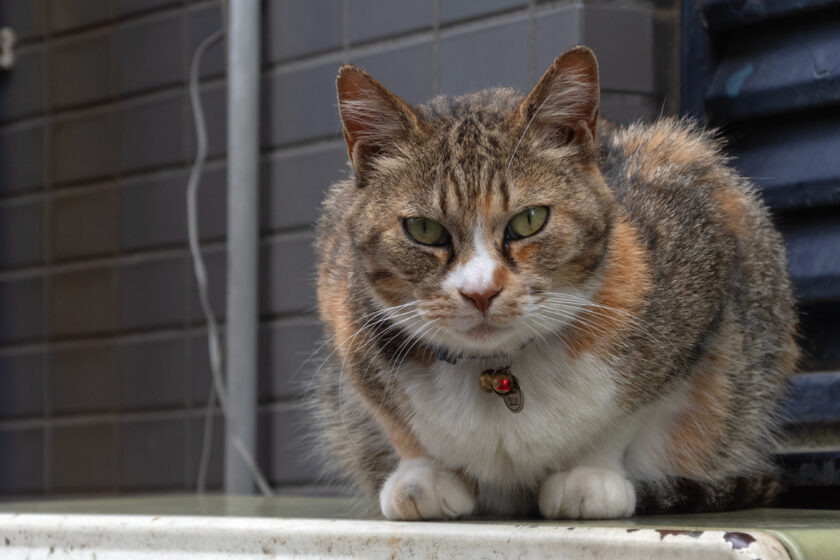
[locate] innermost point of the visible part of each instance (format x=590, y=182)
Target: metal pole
x=243, y=69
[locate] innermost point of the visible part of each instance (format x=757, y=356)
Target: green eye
x=426, y=231
x=527, y=223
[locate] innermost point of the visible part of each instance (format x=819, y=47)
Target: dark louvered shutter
x=767, y=73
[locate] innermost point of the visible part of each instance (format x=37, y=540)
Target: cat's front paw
x=420, y=490
x=587, y=493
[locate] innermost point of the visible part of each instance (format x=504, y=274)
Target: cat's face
x=479, y=234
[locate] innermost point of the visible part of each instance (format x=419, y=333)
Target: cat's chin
x=482, y=341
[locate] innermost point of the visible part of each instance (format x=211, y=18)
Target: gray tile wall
x=103, y=361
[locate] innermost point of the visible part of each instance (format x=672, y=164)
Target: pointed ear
x=373, y=117
x=563, y=106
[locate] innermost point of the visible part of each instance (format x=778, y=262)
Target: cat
x=621, y=286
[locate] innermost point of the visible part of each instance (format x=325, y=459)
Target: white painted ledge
x=128, y=537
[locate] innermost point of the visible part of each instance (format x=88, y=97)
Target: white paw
x=420, y=490
x=587, y=493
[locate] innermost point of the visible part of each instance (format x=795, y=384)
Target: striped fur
x=650, y=322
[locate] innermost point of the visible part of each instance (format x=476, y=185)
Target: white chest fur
x=568, y=404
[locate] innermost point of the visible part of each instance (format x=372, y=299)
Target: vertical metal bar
x=243, y=67
x=697, y=61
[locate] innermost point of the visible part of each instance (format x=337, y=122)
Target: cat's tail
x=683, y=495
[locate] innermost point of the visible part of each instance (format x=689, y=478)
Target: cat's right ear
x=373, y=117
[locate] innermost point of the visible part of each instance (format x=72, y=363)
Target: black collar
x=452, y=357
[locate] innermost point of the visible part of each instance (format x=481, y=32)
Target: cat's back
x=675, y=184
x=671, y=172
x=710, y=239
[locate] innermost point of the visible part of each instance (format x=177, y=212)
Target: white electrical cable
x=217, y=388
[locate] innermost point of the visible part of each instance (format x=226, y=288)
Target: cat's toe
x=419, y=490
x=587, y=493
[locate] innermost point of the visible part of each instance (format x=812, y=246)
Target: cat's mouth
x=485, y=330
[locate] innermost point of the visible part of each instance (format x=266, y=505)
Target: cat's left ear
x=373, y=117
x=563, y=105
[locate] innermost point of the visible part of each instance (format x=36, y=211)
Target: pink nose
x=481, y=300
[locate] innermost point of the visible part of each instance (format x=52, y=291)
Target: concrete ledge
x=126, y=537
x=244, y=528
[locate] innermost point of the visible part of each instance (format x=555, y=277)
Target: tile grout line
x=157, y=333
x=104, y=417
x=214, y=244
x=268, y=155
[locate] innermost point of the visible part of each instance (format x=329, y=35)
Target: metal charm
x=502, y=382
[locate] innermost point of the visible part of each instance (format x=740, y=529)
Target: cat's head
x=481, y=221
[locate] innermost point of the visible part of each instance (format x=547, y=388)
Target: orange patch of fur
x=658, y=136
x=404, y=442
x=689, y=150
x=627, y=281
x=500, y=276
x=334, y=313
x=393, y=289
x=332, y=303
x=524, y=252
x=701, y=427
x=732, y=206
x=665, y=144
x=485, y=204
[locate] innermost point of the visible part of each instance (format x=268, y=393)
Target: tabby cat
x=529, y=309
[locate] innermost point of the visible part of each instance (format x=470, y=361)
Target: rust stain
x=395, y=544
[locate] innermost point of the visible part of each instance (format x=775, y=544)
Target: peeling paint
x=738, y=540
x=678, y=532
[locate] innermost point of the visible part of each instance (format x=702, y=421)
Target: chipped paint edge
x=105, y=537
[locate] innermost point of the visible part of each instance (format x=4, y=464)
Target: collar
x=452, y=357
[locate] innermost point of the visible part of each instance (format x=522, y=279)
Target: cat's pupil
x=426, y=231
x=527, y=223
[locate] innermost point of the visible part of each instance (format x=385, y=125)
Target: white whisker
x=518, y=142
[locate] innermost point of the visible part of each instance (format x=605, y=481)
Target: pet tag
x=502, y=382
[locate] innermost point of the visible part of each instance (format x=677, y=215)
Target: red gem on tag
x=503, y=385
